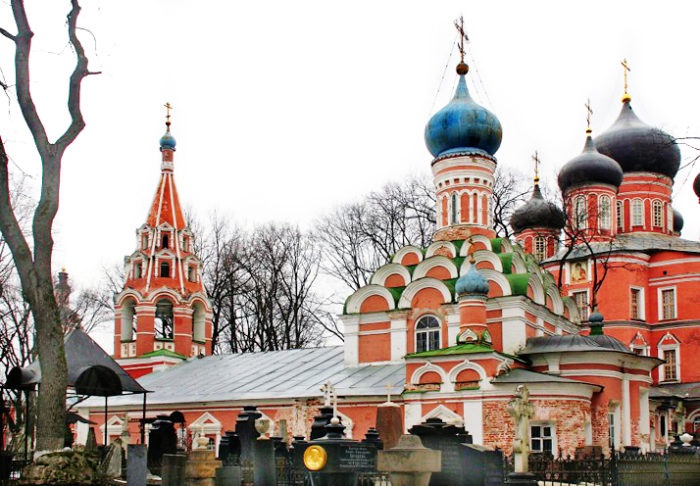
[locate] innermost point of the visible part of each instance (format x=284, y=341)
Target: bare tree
x=33, y=261
x=509, y=192
x=358, y=238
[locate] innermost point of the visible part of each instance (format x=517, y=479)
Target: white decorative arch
x=424, y=283
x=430, y=251
x=126, y=294
x=489, y=256
x=499, y=279
x=355, y=300
x=115, y=426
x=427, y=368
x=557, y=303
x=518, y=262
x=466, y=365
x=464, y=251
x=444, y=414
x=428, y=264
x=399, y=255
x=163, y=292
x=535, y=283
x=207, y=424
x=506, y=246
x=385, y=271
x=573, y=310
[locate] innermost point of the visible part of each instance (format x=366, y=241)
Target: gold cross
x=459, y=25
x=168, y=107
x=626, y=69
x=589, y=111
x=536, y=158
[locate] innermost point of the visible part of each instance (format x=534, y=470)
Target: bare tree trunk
x=34, y=264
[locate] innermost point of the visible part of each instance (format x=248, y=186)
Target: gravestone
x=485, y=466
x=318, y=427
x=229, y=448
x=409, y=463
x=161, y=440
x=389, y=423
x=173, y=469
x=111, y=465
x=136, y=470
x=448, y=439
x=246, y=432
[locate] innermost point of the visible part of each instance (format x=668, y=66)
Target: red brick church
x=592, y=307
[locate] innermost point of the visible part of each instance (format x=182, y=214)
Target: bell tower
x=163, y=315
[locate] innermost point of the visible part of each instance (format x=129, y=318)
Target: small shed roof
x=91, y=371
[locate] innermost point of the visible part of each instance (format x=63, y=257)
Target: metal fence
x=618, y=470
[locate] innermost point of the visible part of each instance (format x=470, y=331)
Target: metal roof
x=270, y=375
x=573, y=343
x=520, y=375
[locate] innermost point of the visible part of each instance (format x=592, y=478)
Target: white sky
x=283, y=110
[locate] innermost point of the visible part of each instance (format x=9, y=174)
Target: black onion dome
x=637, y=147
x=696, y=186
x=537, y=213
x=677, y=221
x=590, y=167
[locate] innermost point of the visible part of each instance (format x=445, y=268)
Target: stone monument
x=522, y=410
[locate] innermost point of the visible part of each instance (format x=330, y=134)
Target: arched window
x=620, y=217
x=580, y=212
x=128, y=325
x=164, y=319
x=138, y=270
x=165, y=241
x=427, y=334
x=604, y=212
x=191, y=273
x=144, y=241
x=454, y=209
x=540, y=248
x=198, y=323
x=637, y=212
x=164, y=269
x=657, y=214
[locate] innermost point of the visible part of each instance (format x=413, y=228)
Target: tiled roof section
x=294, y=373
x=166, y=205
x=519, y=376
x=645, y=242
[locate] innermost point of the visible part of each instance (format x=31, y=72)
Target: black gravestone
x=485, y=466
x=448, y=439
x=245, y=430
x=229, y=449
x=161, y=440
x=318, y=427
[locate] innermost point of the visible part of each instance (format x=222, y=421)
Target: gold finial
x=536, y=158
x=168, y=107
x=626, y=68
x=462, y=67
x=589, y=112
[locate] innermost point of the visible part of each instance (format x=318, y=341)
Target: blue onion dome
x=537, y=213
x=463, y=125
x=167, y=141
x=590, y=167
x=637, y=147
x=677, y=221
x=472, y=282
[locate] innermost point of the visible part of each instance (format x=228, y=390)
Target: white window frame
x=620, y=216
x=573, y=294
x=454, y=208
x=641, y=308
x=661, y=352
x=540, y=247
x=637, y=210
x=552, y=437
x=657, y=214
x=604, y=208
x=580, y=215
x=614, y=427
x=428, y=331
x=660, y=300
